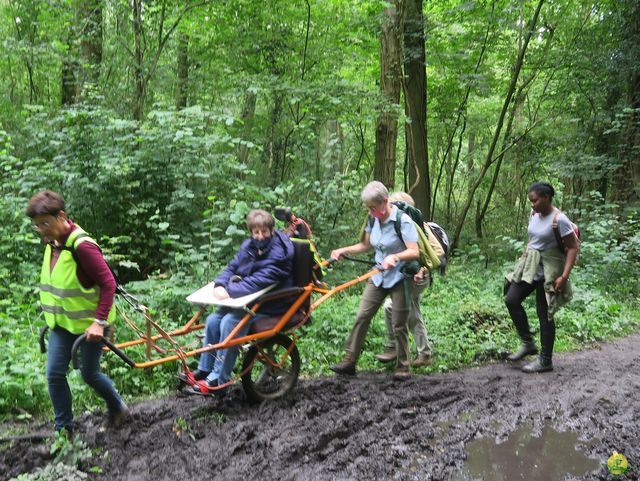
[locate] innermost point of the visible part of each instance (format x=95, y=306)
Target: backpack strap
x=556, y=231
x=73, y=246
x=398, y=225
x=74, y=253
x=370, y=221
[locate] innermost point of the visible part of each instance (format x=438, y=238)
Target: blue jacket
x=274, y=265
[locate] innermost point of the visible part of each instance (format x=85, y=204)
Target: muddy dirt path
x=370, y=427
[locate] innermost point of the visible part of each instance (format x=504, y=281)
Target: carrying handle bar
x=43, y=332
x=361, y=261
x=109, y=344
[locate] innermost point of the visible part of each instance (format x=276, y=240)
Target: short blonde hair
x=402, y=196
x=374, y=193
x=260, y=218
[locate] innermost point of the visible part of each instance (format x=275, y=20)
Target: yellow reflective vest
x=65, y=302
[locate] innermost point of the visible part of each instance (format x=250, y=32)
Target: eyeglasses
x=40, y=225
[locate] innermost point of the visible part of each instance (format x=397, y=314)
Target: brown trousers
x=371, y=300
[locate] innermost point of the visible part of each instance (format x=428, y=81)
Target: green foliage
x=282, y=111
x=54, y=472
x=70, y=454
x=181, y=428
x=610, y=247
x=21, y=364
x=70, y=450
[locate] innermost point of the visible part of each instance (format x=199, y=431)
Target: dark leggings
x=517, y=293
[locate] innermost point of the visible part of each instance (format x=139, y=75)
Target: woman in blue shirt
x=391, y=253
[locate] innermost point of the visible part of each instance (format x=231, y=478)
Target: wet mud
x=371, y=427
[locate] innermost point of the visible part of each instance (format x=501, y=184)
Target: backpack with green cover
x=428, y=257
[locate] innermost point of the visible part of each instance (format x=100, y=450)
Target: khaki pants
x=372, y=299
x=415, y=321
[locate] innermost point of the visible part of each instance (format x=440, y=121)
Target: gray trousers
x=371, y=300
x=415, y=320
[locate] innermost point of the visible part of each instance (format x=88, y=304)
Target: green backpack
x=428, y=257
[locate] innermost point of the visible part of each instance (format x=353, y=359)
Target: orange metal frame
x=231, y=340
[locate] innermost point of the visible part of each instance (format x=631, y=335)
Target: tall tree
x=147, y=52
x=627, y=176
x=415, y=103
x=183, y=71
x=390, y=86
x=90, y=34
x=507, y=142
x=246, y=116
x=496, y=135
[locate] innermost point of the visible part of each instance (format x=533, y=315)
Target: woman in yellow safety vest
x=76, y=295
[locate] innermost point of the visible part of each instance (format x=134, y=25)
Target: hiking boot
x=346, y=367
x=117, y=420
x=121, y=417
x=420, y=361
x=526, y=348
x=401, y=373
x=539, y=365
x=388, y=355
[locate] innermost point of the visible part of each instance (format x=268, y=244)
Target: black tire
x=264, y=381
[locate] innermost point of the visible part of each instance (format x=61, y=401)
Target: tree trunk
x=627, y=176
x=415, y=103
x=390, y=85
x=507, y=142
x=183, y=71
x=140, y=84
x=489, y=160
x=91, y=41
x=274, y=146
x=461, y=110
x=480, y=213
x=248, y=111
x=68, y=75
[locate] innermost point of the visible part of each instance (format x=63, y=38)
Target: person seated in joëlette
x=264, y=259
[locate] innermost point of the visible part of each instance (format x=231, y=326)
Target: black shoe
x=527, y=348
x=346, y=367
x=538, y=366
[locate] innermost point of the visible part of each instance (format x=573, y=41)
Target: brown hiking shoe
x=389, y=355
x=346, y=367
x=401, y=373
x=420, y=361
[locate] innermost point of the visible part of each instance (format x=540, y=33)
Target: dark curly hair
x=543, y=189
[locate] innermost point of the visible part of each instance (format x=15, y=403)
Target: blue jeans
x=58, y=358
x=218, y=326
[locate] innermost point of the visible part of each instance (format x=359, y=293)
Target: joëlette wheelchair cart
x=271, y=361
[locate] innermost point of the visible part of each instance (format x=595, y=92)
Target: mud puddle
x=551, y=456
x=372, y=428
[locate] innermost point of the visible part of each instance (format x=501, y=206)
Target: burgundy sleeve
x=93, y=270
